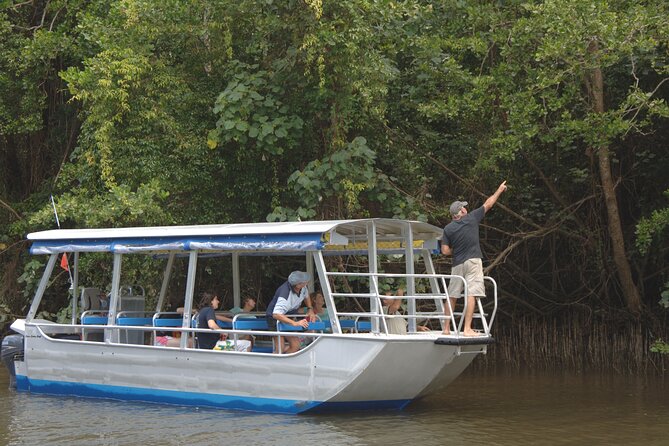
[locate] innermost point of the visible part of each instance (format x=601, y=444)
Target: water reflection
x=500, y=409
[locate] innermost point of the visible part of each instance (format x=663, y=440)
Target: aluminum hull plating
x=336, y=372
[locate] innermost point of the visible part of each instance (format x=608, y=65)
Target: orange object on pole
x=63, y=262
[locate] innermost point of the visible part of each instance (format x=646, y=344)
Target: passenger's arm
x=211, y=323
x=289, y=321
x=220, y=317
x=311, y=315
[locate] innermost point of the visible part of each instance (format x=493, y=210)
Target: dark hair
x=205, y=299
x=316, y=293
x=248, y=298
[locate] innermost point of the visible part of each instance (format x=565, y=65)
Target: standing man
x=287, y=300
x=461, y=240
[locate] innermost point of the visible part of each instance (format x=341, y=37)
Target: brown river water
x=508, y=408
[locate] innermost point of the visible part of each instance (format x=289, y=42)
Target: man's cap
x=456, y=206
x=298, y=277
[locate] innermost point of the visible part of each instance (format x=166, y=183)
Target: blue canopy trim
x=270, y=242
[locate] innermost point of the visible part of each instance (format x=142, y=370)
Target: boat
x=350, y=359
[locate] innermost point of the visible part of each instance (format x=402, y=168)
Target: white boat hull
x=335, y=372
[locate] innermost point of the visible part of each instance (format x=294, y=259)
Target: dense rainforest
x=163, y=112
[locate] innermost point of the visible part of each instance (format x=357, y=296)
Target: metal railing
x=444, y=312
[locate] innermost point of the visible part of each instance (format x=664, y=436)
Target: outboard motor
x=12, y=346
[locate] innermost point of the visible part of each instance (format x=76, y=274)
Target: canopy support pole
x=42, y=286
x=188, y=301
x=236, y=286
x=166, y=281
x=75, y=287
x=114, y=304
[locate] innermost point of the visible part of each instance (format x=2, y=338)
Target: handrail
x=448, y=315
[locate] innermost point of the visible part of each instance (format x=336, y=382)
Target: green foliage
x=120, y=207
x=652, y=227
x=252, y=114
x=665, y=296
x=659, y=346
x=347, y=176
x=30, y=278
x=148, y=112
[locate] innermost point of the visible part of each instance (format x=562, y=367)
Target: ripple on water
x=502, y=409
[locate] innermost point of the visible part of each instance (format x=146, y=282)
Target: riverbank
x=576, y=343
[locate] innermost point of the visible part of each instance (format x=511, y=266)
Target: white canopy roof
x=281, y=236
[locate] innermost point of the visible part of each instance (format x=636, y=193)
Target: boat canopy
x=337, y=236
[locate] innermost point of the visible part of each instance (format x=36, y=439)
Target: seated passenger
x=287, y=300
x=248, y=304
x=319, y=306
x=163, y=339
x=320, y=311
x=207, y=317
x=397, y=325
x=171, y=339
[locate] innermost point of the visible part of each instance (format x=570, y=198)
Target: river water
x=478, y=409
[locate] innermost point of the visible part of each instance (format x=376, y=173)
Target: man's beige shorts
x=472, y=271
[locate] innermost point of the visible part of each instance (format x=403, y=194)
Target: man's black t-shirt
x=462, y=236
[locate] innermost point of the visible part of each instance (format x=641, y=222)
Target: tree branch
x=16, y=214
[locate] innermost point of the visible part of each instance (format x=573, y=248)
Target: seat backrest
x=90, y=299
x=250, y=324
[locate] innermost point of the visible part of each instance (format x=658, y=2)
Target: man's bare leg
x=449, y=322
x=469, y=315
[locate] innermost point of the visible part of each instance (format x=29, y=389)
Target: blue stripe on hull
x=266, y=405
x=346, y=406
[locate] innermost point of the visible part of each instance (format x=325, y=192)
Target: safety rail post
x=453, y=327
x=494, y=310
x=75, y=287
x=465, y=303
x=323, y=276
x=434, y=284
x=410, y=268
x=487, y=325
x=112, y=336
x=374, y=304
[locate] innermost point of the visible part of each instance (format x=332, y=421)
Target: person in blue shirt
x=287, y=300
x=461, y=240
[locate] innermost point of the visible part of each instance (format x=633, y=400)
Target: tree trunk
x=630, y=291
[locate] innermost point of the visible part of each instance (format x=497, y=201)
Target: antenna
x=66, y=265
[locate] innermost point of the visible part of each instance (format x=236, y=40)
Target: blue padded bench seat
x=346, y=323
x=364, y=326
x=262, y=349
x=167, y=322
x=125, y=321
x=251, y=324
x=94, y=320
x=317, y=326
